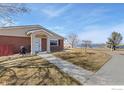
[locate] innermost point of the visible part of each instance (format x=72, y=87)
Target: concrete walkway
x=72, y=70
x=112, y=73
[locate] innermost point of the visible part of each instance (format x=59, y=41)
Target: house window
x=54, y=42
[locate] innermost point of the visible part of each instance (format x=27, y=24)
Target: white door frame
x=33, y=44
x=37, y=44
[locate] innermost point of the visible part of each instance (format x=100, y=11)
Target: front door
x=37, y=44
x=44, y=44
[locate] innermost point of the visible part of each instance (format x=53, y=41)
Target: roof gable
x=23, y=30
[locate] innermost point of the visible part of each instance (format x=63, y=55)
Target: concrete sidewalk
x=72, y=70
x=112, y=73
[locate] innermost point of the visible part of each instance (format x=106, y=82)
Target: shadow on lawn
x=33, y=72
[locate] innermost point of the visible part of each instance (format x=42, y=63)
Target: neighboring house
x=34, y=37
x=67, y=44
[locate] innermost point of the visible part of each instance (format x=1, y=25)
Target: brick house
x=34, y=37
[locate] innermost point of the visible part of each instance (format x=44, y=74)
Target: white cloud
x=94, y=15
x=87, y=17
x=58, y=29
x=99, y=34
x=99, y=11
x=54, y=12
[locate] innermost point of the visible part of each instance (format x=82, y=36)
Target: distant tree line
x=113, y=41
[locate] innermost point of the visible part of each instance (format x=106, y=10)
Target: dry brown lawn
x=31, y=70
x=92, y=60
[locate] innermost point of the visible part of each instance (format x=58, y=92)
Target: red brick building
x=34, y=37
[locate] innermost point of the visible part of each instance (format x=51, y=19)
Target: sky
x=93, y=22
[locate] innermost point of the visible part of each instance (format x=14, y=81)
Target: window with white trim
x=54, y=42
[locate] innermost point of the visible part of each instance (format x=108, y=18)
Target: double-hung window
x=53, y=42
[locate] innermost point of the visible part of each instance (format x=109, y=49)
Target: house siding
x=15, y=42
x=11, y=44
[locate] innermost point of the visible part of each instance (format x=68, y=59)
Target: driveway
x=112, y=73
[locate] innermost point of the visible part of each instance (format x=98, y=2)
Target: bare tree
x=72, y=39
x=86, y=44
x=7, y=11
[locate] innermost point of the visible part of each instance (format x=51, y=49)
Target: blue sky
x=90, y=21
